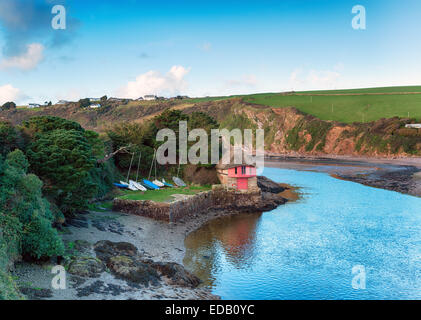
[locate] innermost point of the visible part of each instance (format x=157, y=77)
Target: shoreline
x=400, y=175
x=157, y=241
x=399, y=161
x=163, y=242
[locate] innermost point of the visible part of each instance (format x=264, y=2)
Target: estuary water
x=341, y=240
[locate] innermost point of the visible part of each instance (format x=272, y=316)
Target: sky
x=130, y=48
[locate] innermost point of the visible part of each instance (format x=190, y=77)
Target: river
x=307, y=249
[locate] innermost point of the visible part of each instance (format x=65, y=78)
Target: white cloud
x=154, y=82
x=323, y=79
x=26, y=61
x=245, y=81
x=314, y=79
x=9, y=93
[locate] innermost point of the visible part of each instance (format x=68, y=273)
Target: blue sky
x=131, y=48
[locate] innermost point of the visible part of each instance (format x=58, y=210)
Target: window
x=235, y=170
x=243, y=170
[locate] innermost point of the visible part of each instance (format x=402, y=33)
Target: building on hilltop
x=149, y=97
x=34, y=105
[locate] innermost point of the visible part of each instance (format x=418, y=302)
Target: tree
x=63, y=159
x=26, y=220
x=8, y=106
x=8, y=137
x=87, y=142
x=43, y=124
x=170, y=119
x=135, y=138
x=201, y=120
x=104, y=99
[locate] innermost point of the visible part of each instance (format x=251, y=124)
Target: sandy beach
x=158, y=241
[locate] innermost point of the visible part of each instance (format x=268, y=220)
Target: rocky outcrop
x=130, y=268
x=176, y=274
x=125, y=262
x=291, y=132
x=267, y=185
x=86, y=267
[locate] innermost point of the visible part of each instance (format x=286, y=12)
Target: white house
x=34, y=105
x=95, y=106
x=414, y=126
x=94, y=99
x=149, y=97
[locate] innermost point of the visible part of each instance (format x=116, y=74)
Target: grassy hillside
x=357, y=105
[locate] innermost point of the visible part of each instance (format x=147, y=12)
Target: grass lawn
x=348, y=108
x=162, y=195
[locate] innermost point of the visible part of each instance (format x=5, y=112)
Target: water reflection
x=307, y=249
x=233, y=236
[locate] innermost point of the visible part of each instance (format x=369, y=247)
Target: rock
x=124, y=262
x=106, y=249
x=36, y=293
x=176, y=274
x=270, y=201
x=83, y=245
x=132, y=270
x=86, y=267
x=77, y=223
x=100, y=287
x=267, y=185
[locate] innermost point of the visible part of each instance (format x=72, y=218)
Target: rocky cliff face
x=287, y=130
x=291, y=132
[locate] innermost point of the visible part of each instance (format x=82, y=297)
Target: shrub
x=41, y=240
x=26, y=221
x=8, y=137
x=9, y=106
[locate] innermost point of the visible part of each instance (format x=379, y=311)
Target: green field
x=356, y=105
x=162, y=195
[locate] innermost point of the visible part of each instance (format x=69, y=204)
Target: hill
x=348, y=106
x=299, y=123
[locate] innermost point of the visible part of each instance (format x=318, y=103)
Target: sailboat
x=177, y=180
x=146, y=182
x=167, y=184
x=129, y=185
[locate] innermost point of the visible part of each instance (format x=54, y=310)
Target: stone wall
x=150, y=209
x=199, y=204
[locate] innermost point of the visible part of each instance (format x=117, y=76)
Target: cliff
x=287, y=130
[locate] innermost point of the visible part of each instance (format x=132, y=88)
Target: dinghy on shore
x=179, y=182
x=137, y=185
x=158, y=183
x=167, y=184
x=121, y=186
x=150, y=185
